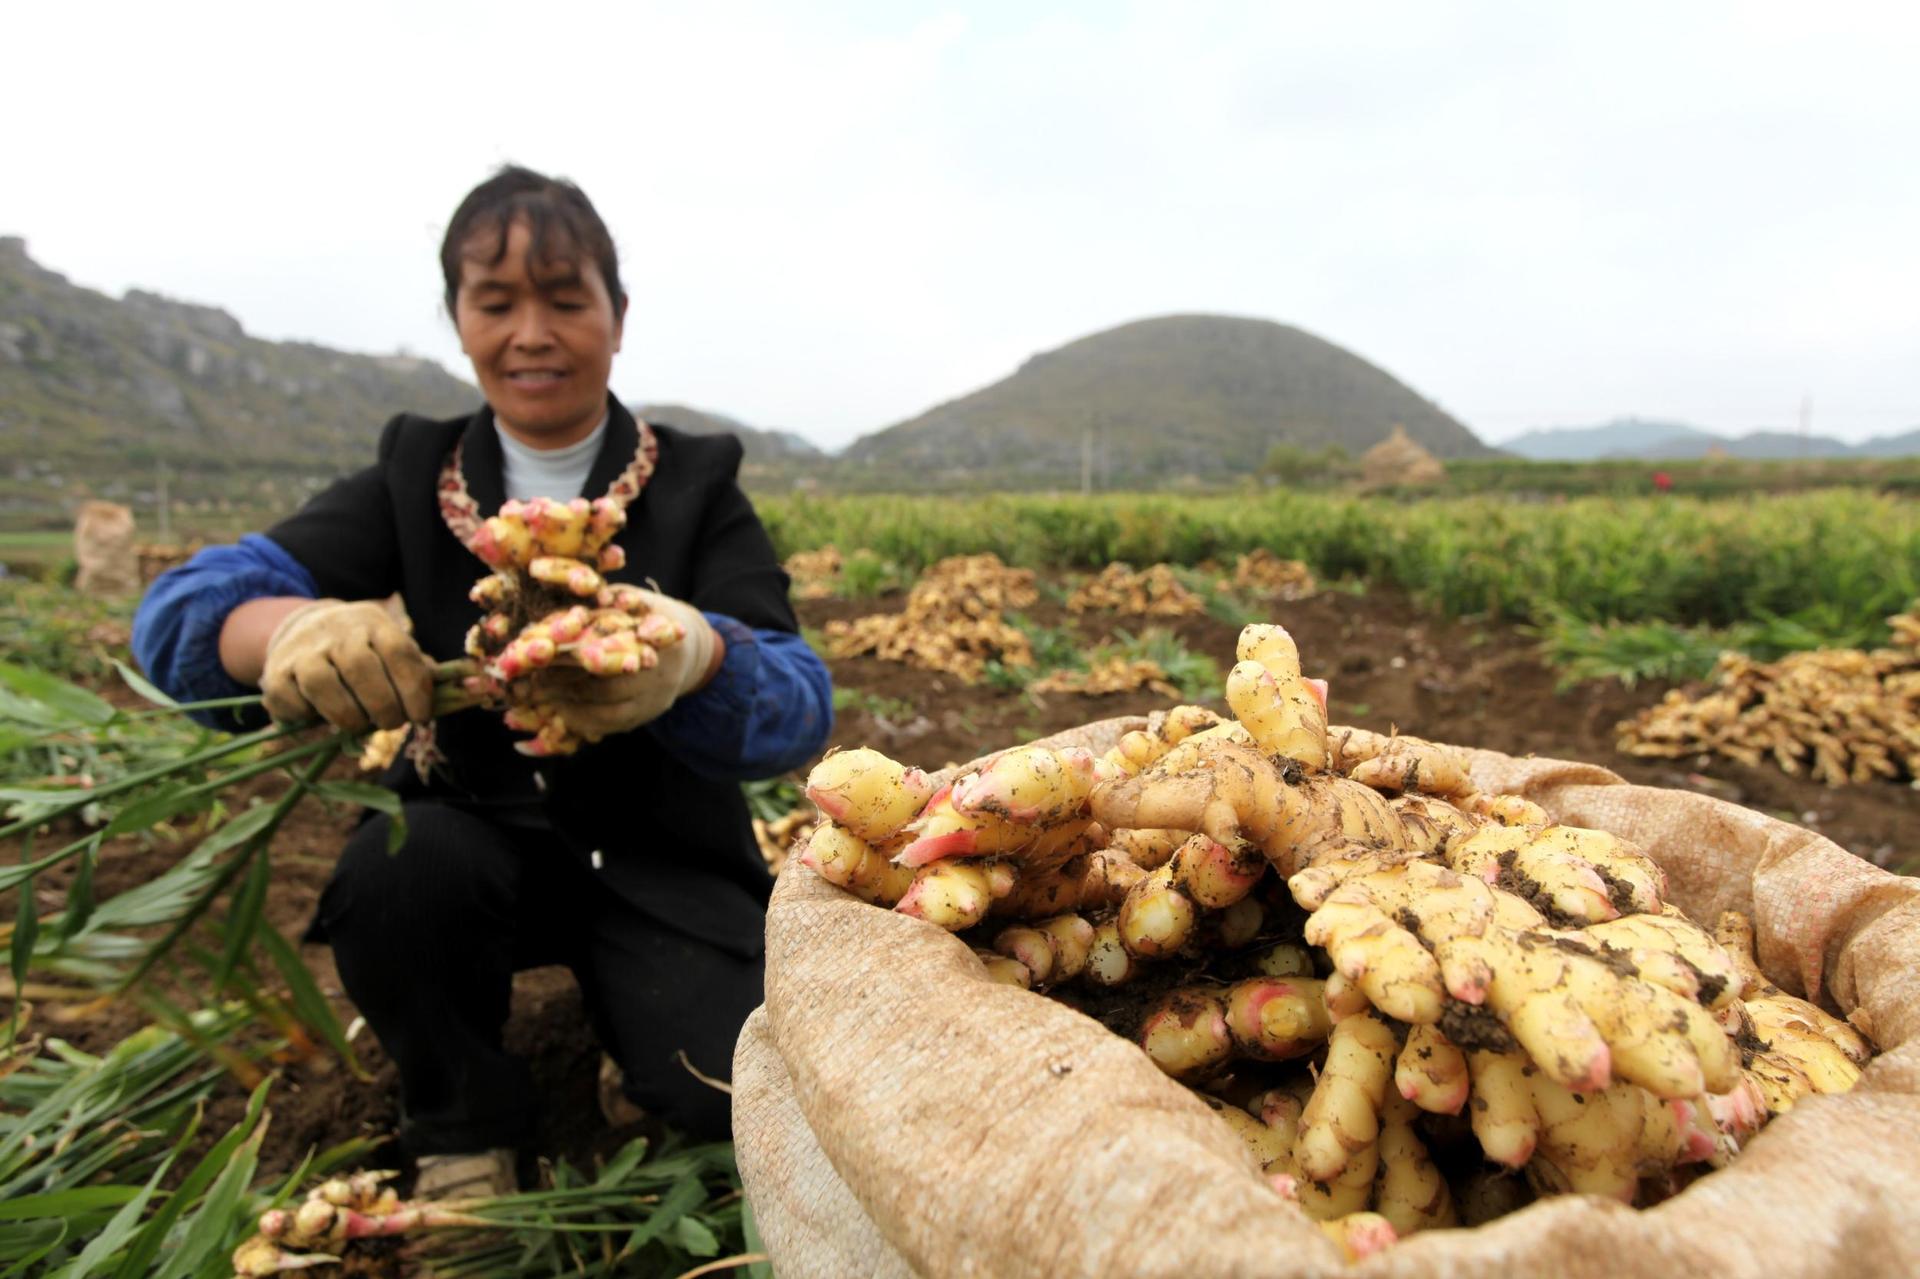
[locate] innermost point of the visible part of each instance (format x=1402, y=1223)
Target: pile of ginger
x=954, y=621
x=1843, y=716
x=1151, y=592
x=1418, y=1004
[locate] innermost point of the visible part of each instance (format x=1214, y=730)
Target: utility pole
x=1086, y=461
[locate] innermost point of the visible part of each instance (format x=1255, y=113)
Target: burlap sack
x=895, y=1112
x=103, y=548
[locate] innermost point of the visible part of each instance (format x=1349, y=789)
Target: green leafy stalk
x=323, y=753
x=134, y=781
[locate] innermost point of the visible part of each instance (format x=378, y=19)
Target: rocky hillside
x=108, y=397
x=1201, y=396
x=98, y=393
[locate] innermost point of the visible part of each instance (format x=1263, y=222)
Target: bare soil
x=1390, y=664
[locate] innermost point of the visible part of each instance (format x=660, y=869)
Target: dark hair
x=558, y=215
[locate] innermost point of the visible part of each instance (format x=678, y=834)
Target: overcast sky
x=833, y=215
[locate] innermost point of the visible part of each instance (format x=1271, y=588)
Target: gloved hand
x=350, y=664
x=597, y=706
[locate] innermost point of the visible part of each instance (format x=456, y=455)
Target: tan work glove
x=597, y=706
x=350, y=664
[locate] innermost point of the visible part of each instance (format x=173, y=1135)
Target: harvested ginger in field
x=1417, y=1003
x=1841, y=716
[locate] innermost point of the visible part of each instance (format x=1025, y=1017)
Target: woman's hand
x=350, y=664
x=597, y=706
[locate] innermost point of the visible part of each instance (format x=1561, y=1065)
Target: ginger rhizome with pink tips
x=1418, y=1004
x=549, y=605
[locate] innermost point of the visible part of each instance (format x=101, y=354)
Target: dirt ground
x=1390, y=665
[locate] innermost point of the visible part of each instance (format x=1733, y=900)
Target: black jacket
x=675, y=844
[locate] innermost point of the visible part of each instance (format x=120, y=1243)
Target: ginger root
x=1411, y=1194
x=1492, y=973
x=867, y=793
x=1400, y=763
x=1797, y=1048
x=1342, y=1121
x=1285, y=713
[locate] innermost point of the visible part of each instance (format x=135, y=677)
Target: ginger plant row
x=1419, y=1004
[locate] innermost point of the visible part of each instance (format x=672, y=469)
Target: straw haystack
x=103, y=548
x=1398, y=462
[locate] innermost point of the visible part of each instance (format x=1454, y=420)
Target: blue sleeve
x=176, y=632
x=768, y=709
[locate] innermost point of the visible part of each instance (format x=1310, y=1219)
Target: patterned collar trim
x=462, y=513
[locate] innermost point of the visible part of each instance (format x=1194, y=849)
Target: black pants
x=427, y=941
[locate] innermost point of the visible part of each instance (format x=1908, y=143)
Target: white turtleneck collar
x=556, y=473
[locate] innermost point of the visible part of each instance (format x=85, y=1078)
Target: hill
x=762, y=446
x=1201, y=396
x=1904, y=444
x=98, y=393
x=1621, y=437
x=1779, y=445
x=1633, y=438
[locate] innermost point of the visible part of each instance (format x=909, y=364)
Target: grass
x=1058, y=648
x=1196, y=675
x=1632, y=652
x=772, y=798
x=1629, y=652
x=864, y=575
x=892, y=709
x=1223, y=603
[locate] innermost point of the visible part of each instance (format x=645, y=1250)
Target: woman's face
x=541, y=336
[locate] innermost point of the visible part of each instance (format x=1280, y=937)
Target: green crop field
x=1839, y=561
x=34, y=552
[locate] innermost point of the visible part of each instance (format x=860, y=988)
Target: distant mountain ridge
x=112, y=396
x=1202, y=396
x=1587, y=443
x=93, y=386
x=1676, y=441
x=761, y=445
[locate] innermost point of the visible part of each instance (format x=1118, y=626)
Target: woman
x=633, y=861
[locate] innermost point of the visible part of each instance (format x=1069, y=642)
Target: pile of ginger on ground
x=954, y=621
x=1419, y=1005
x=1841, y=715
x=1151, y=592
